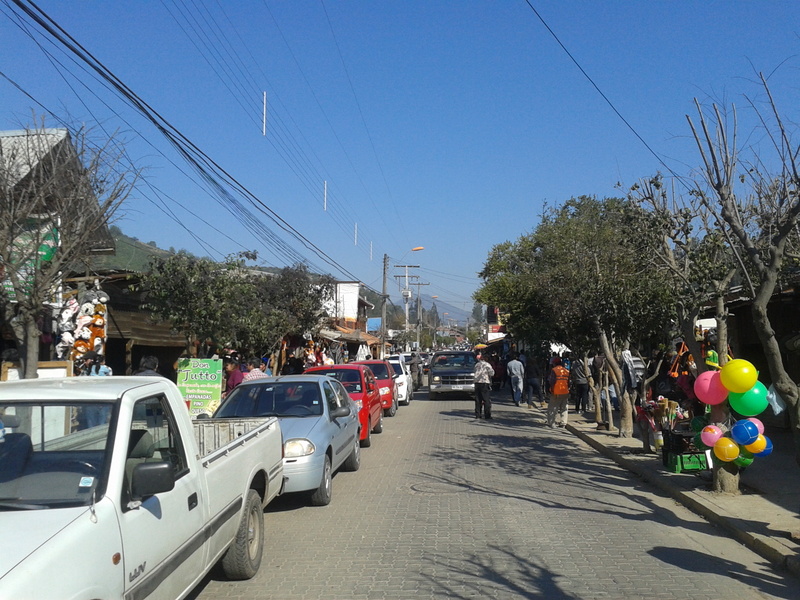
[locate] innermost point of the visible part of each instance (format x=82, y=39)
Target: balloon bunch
x=738, y=383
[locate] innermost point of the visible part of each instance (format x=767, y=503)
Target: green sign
x=200, y=382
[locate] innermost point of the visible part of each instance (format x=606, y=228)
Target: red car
x=360, y=383
x=387, y=386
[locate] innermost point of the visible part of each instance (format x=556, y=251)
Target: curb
x=765, y=547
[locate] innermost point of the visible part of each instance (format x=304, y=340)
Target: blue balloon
x=744, y=432
x=768, y=449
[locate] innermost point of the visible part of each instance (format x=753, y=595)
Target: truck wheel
x=322, y=495
x=379, y=427
x=353, y=461
x=242, y=559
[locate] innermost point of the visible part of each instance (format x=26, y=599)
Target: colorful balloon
x=710, y=435
x=726, y=449
x=745, y=458
x=758, y=423
x=738, y=376
x=698, y=423
x=767, y=449
x=750, y=403
x=758, y=446
x=709, y=389
x=744, y=432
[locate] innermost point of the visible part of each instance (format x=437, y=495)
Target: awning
x=137, y=327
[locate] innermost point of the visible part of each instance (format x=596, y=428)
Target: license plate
x=457, y=387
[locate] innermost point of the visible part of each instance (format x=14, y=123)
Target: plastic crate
x=677, y=463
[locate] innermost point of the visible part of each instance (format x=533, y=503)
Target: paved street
x=447, y=506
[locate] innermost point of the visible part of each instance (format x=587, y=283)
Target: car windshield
x=350, y=378
x=54, y=454
x=453, y=361
x=380, y=370
x=272, y=399
x=397, y=368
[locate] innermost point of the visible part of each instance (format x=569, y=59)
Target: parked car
x=320, y=427
x=360, y=383
x=110, y=490
x=387, y=384
x=451, y=373
x=405, y=392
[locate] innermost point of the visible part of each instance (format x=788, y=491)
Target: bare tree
x=760, y=221
x=58, y=190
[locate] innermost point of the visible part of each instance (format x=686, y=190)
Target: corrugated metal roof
x=22, y=150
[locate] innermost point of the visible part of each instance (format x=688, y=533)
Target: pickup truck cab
x=109, y=490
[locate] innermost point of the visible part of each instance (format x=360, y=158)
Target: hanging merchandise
x=82, y=324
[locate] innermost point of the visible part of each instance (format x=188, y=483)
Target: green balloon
x=750, y=403
x=697, y=423
x=745, y=458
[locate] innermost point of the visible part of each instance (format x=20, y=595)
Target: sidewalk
x=762, y=518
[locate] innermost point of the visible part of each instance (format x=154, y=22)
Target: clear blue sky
x=447, y=125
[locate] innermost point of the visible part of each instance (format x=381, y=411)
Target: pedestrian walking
x=558, y=386
x=516, y=375
x=413, y=364
x=580, y=384
x=483, y=381
x=533, y=382
x=233, y=375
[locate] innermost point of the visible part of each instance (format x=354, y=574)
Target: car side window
x=342, y=397
x=154, y=437
x=330, y=397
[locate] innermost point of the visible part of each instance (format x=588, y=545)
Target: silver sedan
x=319, y=423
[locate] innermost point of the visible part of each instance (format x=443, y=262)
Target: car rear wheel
x=379, y=426
x=367, y=441
x=322, y=495
x=242, y=559
x=353, y=461
x=392, y=410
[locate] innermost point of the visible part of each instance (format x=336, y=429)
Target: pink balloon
x=709, y=389
x=759, y=424
x=710, y=435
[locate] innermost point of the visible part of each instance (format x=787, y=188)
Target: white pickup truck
x=109, y=490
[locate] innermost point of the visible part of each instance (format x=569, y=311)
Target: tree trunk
x=786, y=388
x=615, y=374
x=726, y=476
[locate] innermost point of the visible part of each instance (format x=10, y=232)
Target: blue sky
x=447, y=125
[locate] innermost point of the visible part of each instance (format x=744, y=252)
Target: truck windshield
x=453, y=362
x=272, y=399
x=53, y=455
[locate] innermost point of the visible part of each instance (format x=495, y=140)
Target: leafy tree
x=574, y=281
x=754, y=198
x=249, y=309
x=59, y=190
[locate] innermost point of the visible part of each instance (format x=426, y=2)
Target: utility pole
x=406, y=292
x=384, y=296
x=419, y=311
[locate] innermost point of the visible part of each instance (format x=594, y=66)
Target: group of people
x=524, y=376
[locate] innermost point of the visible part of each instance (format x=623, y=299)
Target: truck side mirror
x=149, y=479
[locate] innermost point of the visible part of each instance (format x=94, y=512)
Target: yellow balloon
x=726, y=449
x=758, y=445
x=738, y=376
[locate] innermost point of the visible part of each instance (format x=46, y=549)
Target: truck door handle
x=193, y=501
